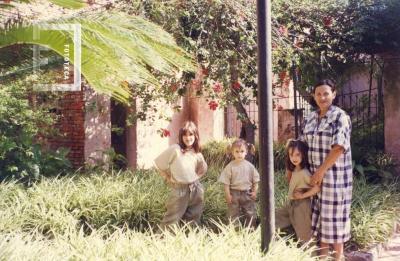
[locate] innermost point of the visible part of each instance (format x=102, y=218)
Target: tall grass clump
x=42, y=207
x=216, y=154
x=375, y=208
x=56, y=205
x=123, y=244
x=136, y=200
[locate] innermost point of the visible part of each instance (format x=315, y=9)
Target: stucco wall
x=391, y=98
x=358, y=86
x=149, y=141
x=97, y=126
x=210, y=123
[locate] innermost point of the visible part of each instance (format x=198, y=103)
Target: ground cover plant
x=111, y=207
x=122, y=244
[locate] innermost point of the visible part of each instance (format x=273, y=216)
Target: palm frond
x=115, y=47
x=71, y=4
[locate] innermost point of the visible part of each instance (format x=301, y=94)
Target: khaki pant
x=242, y=207
x=185, y=202
x=296, y=213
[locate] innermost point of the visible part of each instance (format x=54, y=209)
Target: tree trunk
x=131, y=139
x=248, y=129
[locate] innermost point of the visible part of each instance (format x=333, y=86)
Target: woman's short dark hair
x=302, y=147
x=320, y=82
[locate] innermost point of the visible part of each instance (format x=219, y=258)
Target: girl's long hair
x=190, y=127
x=302, y=147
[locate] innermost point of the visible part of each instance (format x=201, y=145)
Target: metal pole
x=266, y=161
x=370, y=85
x=296, y=120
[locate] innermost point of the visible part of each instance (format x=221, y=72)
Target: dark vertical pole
x=369, y=94
x=266, y=160
x=381, y=108
x=296, y=120
x=343, y=105
x=376, y=121
x=371, y=72
x=357, y=110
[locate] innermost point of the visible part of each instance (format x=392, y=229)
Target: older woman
x=327, y=133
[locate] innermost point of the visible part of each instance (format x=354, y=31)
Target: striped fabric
x=331, y=206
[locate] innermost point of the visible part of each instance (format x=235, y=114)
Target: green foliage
x=216, y=153
x=377, y=28
x=363, y=142
x=118, y=200
x=21, y=156
x=222, y=36
x=378, y=167
x=374, y=211
x=322, y=38
x=116, y=48
x=279, y=156
x=123, y=244
x=369, y=159
x=71, y=4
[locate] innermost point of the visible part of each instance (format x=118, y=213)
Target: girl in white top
x=182, y=165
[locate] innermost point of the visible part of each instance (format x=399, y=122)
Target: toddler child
x=240, y=179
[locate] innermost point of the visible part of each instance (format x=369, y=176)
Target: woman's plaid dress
x=331, y=206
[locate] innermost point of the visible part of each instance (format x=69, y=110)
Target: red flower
x=282, y=75
x=236, y=86
x=173, y=87
x=213, y=105
x=327, y=20
x=285, y=83
x=204, y=71
x=164, y=133
x=283, y=30
x=196, y=84
x=217, y=87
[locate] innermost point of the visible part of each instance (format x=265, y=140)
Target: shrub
x=279, y=156
x=215, y=154
x=377, y=167
x=21, y=156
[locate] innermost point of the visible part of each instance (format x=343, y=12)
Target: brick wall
x=70, y=109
